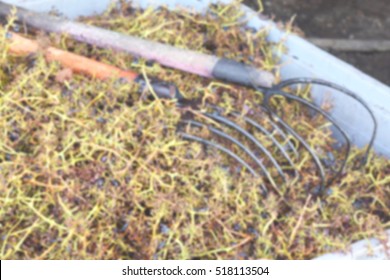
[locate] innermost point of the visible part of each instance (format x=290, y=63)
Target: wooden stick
x=79, y=64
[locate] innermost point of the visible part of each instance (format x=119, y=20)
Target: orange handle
x=79, y=64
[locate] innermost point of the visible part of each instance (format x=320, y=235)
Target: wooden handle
x=177, y=58
x=79, y=64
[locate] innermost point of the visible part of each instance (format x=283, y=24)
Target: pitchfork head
x=269, y=142
x=324, y=159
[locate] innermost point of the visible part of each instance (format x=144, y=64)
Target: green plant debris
x=96, y=170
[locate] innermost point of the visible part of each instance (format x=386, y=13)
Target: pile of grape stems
x=95, y=170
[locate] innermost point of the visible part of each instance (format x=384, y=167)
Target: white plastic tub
x=370, y=249
x=302, y=60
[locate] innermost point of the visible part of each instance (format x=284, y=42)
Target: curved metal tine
x=273, y=124
x=323, y=113
x=345, y=91
x=316, y=160
x=227, y=122
x=236, y=142
x=203, y=141
x=273, y=139
x=281, y=132
x=267, y=133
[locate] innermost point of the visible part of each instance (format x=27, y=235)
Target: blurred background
x=366, y=20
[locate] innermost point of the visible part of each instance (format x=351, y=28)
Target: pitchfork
x=254, y=155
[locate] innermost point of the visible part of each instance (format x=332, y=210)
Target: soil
x=359, y=19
